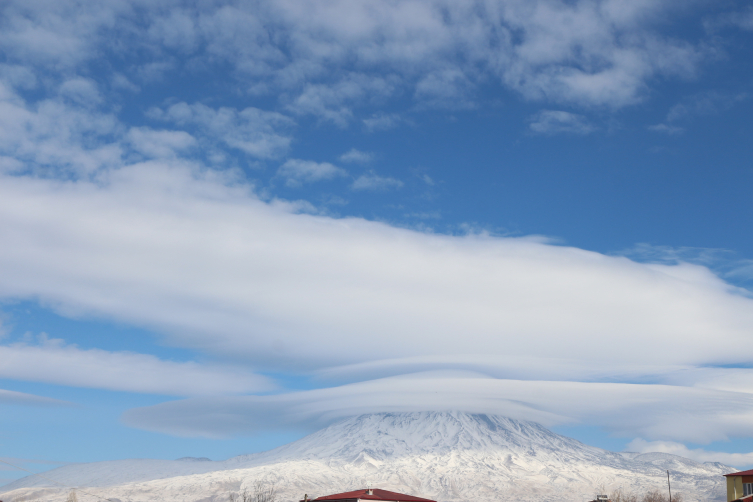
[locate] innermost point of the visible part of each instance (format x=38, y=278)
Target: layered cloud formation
x=204, y=261
x=153, y=221
x=178, y=251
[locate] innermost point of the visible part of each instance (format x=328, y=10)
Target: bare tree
x=619, y=495
x=263, y=492
x=654, y=496
x=244, y=496
x=240, y=497
x=72, y=496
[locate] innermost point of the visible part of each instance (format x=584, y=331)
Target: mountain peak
x=388, y=436
x=445, y=456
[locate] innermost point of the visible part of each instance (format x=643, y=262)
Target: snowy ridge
x=442, y=456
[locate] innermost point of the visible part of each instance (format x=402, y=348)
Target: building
x=739, y=485
x=367, y=495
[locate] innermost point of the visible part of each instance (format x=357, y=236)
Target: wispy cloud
x=21, y=398
x=705, y=103
x=697, y=105
x=297, y=171
x=725, y=262
x=160, y=144
x=742, y=19
x=666, y=129
x=556, y=121
x=357, y=156
x=82, y=91
x=446, y=88
x=372, y=181
x=382, y=122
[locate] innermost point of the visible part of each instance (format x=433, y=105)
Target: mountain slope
x=444, y=456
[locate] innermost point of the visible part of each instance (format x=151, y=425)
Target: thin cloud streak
x=60, y=364
x=21, y=398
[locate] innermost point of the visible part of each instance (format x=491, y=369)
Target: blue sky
x=226, y=224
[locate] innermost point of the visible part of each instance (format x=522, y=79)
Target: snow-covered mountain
x=443, y=456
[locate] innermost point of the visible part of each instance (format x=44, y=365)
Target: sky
x=227, y=224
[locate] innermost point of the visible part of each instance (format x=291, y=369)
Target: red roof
x=741, y=473
x=749, y=498
x=376, y=494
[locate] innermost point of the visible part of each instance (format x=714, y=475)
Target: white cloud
x=381, y=122
x=121, y=82
x=356, y=156
x=195, y=255
x=154, y=72
x=674, y=255
x=159, y=144
x=372, y=181
x=333, y=101
x=297, y=172
x=60, y=364
x=724, y=262
x=330, y=56
x=704, y=103
x=18, y=76
x=741, y=269
x=55, y=135
x=741, y=19
x=698, y=454
x=448, y=88
x=545, y=50
x=666, y=129
x=60, y=35
x=177, y=30
x=222, y=271
x=555, y=121
x=257, y=132
x=82, y=91
x=9, y=164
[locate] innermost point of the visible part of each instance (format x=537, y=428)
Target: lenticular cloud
x=211, y=266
